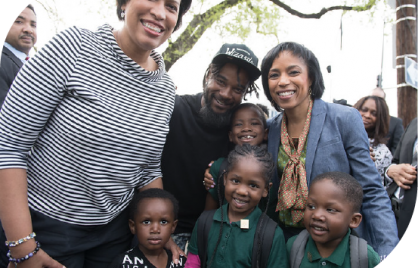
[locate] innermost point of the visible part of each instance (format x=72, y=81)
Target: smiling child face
x=244, y=186
x=328, y=215
x=247, y=127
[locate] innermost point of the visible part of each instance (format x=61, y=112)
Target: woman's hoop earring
x=122, y=14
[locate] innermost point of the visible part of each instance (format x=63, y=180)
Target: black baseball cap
x=240, y=55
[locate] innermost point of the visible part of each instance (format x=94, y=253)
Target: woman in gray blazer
x=310, y=137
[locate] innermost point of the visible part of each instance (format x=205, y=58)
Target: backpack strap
x=203, y=227
x=358, y=252
x=263, y=240
x=298, y=249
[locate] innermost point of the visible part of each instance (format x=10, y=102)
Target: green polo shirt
x=339, y=258
x=236, y=244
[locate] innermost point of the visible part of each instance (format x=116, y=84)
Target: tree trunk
x=405, y=47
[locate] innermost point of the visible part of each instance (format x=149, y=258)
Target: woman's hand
x=403, y=175
x=208, y=180
x=39, y=260
x=372, y=154
x=175, y=250
x=16, y=220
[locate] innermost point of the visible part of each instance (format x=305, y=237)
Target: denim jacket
x=337, y=141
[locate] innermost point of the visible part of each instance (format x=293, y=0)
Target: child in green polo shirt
x=332, y=209
x=248, y=125
x=234, y=225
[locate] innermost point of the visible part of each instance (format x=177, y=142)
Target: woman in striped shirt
x=83, y=126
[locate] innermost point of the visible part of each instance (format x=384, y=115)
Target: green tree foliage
x=241, y=17
x=236, y=18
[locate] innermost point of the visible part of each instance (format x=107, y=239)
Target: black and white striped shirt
x=88, y=124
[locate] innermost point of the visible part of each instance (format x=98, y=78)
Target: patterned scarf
x=293, y=191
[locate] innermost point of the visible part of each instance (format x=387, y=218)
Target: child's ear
x=132, y=226
x=265, y=192
x=174, y=226
x=355, y=220
x=266, y=134
x=267, y=189
x=224, y=178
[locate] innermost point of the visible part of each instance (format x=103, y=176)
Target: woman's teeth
x=286, y=93
x=152, y=27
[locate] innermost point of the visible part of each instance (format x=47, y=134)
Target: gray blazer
x=9, y=67
x=337, y=141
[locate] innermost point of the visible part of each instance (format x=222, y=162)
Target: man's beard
x=212, y=119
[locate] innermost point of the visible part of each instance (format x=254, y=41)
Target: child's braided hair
x=265, y=159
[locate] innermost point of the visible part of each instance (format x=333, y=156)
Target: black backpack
x=266, y=227
x=358, y=251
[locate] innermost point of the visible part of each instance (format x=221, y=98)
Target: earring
x=310, y=91
x=122, y=14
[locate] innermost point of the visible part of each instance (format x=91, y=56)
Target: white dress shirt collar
x=21, y=55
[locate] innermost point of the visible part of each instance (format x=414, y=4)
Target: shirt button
x=324, y=263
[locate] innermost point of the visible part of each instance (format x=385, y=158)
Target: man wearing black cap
x=199, y=131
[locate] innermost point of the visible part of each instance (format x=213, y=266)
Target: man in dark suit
x=395, y=125
x=395, y=133
x=19, y=41
x=404, y=173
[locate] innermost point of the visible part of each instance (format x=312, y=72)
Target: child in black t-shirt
x=153, y=218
